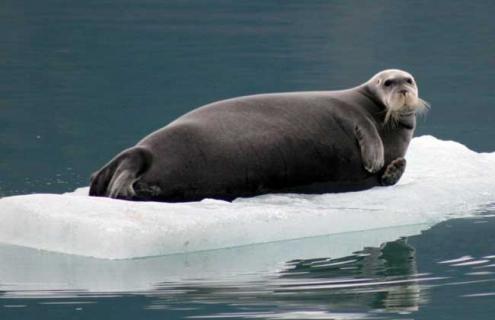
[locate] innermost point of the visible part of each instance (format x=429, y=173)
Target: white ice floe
x=30, y=270
x=443, y=179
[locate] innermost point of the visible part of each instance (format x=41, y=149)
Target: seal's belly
x=210, y=161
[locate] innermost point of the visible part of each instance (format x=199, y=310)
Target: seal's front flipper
x=117, y=178
x=393, y=172
x=371, y=145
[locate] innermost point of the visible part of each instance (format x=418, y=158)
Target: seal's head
x=398, y=92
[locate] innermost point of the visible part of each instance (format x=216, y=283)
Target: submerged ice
x=443, y=179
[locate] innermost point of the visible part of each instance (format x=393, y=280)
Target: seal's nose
x=403, y=91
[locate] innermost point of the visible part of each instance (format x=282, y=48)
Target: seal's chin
x=403, y=104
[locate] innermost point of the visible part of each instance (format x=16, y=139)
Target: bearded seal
x=306, y=142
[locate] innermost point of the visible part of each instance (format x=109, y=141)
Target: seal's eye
x=409, y=80
x=387, y=83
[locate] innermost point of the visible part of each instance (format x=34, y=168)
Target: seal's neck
x=407, y=120
x=366, y=91
x=374, y=106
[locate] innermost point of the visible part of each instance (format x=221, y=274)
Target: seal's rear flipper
x=116, y=179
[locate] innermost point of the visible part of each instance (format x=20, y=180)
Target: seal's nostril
x=403, y=91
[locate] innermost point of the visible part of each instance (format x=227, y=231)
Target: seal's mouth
x=403, y=102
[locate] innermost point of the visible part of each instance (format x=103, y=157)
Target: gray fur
x=310, y=142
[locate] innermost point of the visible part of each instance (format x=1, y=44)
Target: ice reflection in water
x=379, y=282
x=373, y=279
x=375, y=283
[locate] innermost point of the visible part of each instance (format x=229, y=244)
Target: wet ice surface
x=443, y=179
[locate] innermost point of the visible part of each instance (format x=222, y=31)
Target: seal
x=306, y=142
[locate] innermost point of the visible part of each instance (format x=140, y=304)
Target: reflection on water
x=387, y=281
x=382, y=278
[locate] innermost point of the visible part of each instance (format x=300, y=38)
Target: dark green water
x=81, y=80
